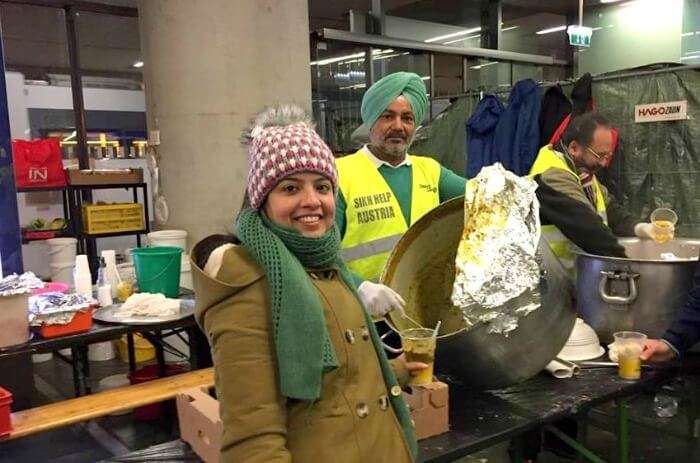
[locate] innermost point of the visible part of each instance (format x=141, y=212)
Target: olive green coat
x=352, y=421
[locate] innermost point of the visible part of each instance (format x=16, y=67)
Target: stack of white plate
x=583, y=344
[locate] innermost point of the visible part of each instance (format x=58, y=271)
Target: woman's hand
x=656, y=351
x=413, y=368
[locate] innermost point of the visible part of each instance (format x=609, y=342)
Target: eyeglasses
x=599, y=155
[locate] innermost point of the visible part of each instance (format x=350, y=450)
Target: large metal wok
x=422, y=268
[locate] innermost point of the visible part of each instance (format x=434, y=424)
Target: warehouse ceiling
x=34, y=37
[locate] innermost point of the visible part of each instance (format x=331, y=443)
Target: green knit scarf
x=303, y=347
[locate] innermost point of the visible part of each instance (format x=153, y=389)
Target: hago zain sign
x=667, y=111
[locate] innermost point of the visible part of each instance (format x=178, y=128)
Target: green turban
x=386, y=90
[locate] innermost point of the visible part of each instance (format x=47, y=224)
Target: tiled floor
x=658, y=440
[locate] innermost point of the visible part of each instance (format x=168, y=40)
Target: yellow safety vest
x=374, y=221
x=546, y=159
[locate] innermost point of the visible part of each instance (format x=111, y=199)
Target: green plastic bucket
x=158, y=269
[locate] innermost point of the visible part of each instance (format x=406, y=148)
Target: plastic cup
x=419, y=346
x=629, y=346
x=664, y=221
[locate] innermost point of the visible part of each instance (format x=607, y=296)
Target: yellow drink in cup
x=663, y=221
x=629, y=346
x=419, y=346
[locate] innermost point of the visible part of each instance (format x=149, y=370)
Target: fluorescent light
x=453, y=34
x=690, y=57
x=425, y=78
x=138, y=64
x=482, y=65
x=686, y=34
x=461, y=40
x=596, y=28
x=509, y=28
x=610, y=1
x=550, y=30
x=346, y=57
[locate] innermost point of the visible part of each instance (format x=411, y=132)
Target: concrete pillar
x=209, y=67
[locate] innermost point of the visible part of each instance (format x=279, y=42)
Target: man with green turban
x=383, y=190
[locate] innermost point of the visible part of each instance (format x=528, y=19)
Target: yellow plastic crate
x=112, y=218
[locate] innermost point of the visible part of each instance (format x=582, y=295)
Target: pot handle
x=618, y=300
x=388, y=348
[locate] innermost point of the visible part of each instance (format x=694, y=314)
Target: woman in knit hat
x=300, y=372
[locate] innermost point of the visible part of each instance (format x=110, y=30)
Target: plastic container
x=5, y=402
x=41, y=358
x=149, y=373
x=111, y=382
x=14, y=319
x=176, y=238
x=82, y=321
x=158, y=269
x=143, y=350
x=112, y=218
x=62, y=250
x=186, y=274
x=62, y=272
x=54, y=287
x=101, y=351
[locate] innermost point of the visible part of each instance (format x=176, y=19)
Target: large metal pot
x=640, y=293
x=422, y=269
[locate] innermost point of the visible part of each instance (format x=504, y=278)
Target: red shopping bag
x=37, y=163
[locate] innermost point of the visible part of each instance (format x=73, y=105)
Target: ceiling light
x=610, y=1
x=485, y=64
x=509, y=28
x=461, y=40
x=137, y=64
x=453, y=34
x=689, y=57
x=550, y=30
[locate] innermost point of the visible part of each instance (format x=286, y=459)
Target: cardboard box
x=200, y=424
x=201, y=427
x=104, y=176
x=429, y=406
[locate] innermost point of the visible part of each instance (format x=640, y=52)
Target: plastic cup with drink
x=419, y=346
x=664, y=222
x=629, y=346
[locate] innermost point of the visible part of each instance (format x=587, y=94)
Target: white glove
x=379, y=299
x=644, y=230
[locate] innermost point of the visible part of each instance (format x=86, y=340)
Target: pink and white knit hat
x=280, y=151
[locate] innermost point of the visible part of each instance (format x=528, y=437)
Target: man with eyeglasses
x=574, y=206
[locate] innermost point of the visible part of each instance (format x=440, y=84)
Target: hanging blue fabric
x=481, y=128
x=518, y=133
x=10, y=239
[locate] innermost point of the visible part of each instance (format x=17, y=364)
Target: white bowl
x=583, y=344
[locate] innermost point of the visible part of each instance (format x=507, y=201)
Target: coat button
x=365, y=333
x=396, y=391
x=350, y=336
x=362, y=410
x=383, y=402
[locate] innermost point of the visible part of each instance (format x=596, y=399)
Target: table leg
x=200, y=354
x=76, y=371
x=85, y=363
x=130, y=350
x=160, y=353
x=580, y=449
x=623, y=431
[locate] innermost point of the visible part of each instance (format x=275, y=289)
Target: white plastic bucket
x=62, y=250
x=40, y=358
x=62, y=272
x=111, y=382
x=186, y=274
x=101, y=351
x=177, y=238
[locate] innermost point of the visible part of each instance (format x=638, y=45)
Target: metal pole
x=465, y=74
x=431, y=87
x=623, y=433
x=77, y=88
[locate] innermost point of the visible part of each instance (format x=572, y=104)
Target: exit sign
x=579, y=36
